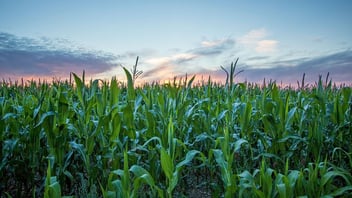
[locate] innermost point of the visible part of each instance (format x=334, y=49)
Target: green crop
x=180, y=139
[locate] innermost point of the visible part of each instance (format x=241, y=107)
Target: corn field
x=180, y=139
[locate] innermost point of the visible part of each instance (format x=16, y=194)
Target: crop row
x=110, y=139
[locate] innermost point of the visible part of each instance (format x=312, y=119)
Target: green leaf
x=290, y=115
x=341, y=191
x=219, y=157
x=166, y=163
x=189, y=157
x=128, y=118
x=281, y=188
x=80, y=88
x=293, y=176
x=126, y=175
x=330, y=175
x=81, y=151
x=140, y=172
x=239, y=143
x=190, y=82
x=54, y=188
x=222, y=115
x=114, y=92
x=225, y=172
x=9, y=115
x=130, y=86
x=44, y=116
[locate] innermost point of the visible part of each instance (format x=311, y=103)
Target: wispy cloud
x=173, y=59
x=21, y=56
x=253, y=36
x=338, y=64
x=256, y=68
x=256, y=39
x=162, y=72
x=185, y=61
x=142, y=53
x=44, y=57
x=214, y=47
x=264, y=46
x=167, y=67
x=255, y=58
x=318, y=39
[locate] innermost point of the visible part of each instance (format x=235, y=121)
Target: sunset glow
x=273, y=40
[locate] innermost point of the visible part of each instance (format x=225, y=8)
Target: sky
x=275, y=40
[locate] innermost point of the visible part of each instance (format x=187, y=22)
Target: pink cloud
x=265, y=46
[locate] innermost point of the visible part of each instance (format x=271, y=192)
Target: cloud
x=161, y=72
x=287, y=71
x=253, y=36
x=183, y=58
x=142, y=53
x=213, y=43
x=174, y=59
x=256, y=68
x=177, y=63
x=318, y=39
x=255, y=39
x=186, y=61
x=167, y=67
x=255, y=58
x=45, y=57
x=22, y=57
x=338, y=64
x=264, y=46
x=215, y=47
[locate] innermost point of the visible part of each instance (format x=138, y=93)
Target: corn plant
x=52, y=187
x=115, y=139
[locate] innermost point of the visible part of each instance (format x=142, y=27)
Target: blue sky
x=278, y=40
